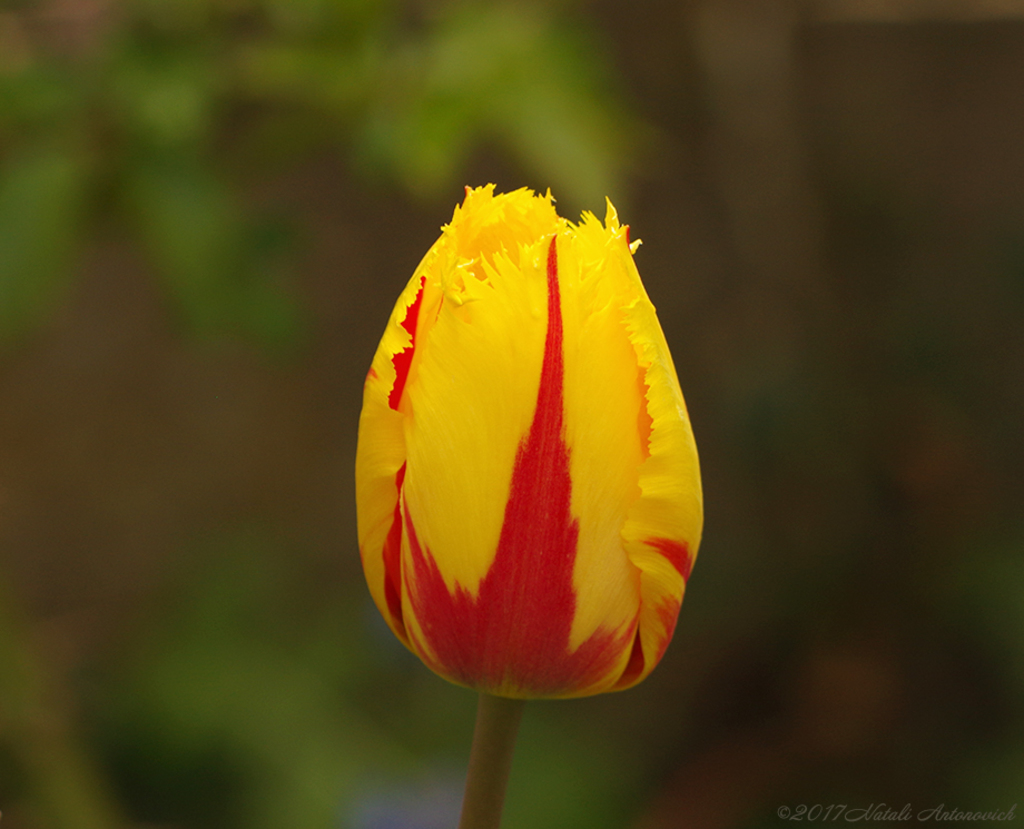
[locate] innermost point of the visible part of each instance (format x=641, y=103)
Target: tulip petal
x=380, y=459
x=511, y=635
x=473, y=387
x=603, y=406
x=663, y=528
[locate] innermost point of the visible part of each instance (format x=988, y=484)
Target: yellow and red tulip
x=528, y=492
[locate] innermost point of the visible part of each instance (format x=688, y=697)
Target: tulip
x=528, y=492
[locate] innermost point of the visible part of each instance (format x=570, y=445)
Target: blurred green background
x=207, y=209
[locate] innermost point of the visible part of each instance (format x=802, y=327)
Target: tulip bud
x=528, y=493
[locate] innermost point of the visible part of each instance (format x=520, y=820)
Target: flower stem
x=497, y=721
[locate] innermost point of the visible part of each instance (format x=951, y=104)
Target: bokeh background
x=207, y=209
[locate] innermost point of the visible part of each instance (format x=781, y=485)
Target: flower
x=527, y=486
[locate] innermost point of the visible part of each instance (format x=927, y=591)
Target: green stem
x=494, y=740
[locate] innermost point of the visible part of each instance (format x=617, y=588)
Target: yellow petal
x=663, y=527
x=474, y=387
x=379, y=458
x=602, y=403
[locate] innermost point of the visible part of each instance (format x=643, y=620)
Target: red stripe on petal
x=635, y=666
x=515, y=633
x=393, y=559
x=677, y=552
x=402, y=361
